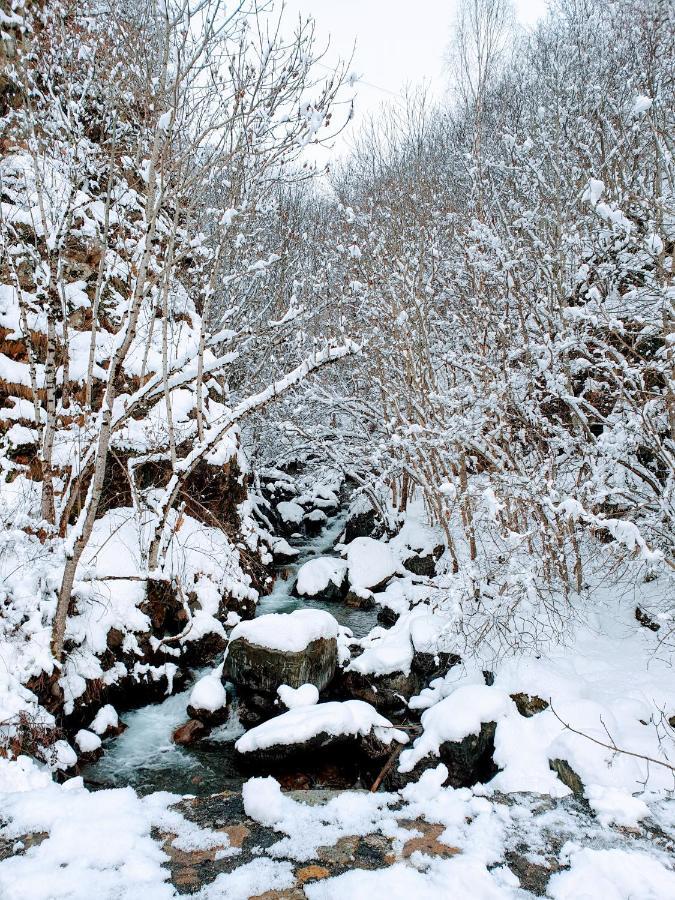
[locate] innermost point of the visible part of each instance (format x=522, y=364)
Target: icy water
x=144, y=755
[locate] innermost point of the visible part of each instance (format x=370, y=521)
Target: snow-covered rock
x=283, y=648
x=370, y=563
x=460, y=731
x=87, y=741
x=208, y=701
x=291, y=513
x=106, y=722
x=308, y=728
x=323, y=578
x=314, y=521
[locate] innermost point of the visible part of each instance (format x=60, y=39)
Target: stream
x=145, y=757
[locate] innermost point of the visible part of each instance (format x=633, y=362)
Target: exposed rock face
x=529, y=704
x=190, y=732
x=424, y=565
x=362, y=524
x=354, y=601
x=263, y=669
x=389, y=692
x=567, y=775
x=434, y=665
x=468, y=761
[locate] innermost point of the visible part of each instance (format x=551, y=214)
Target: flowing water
x=145, y=757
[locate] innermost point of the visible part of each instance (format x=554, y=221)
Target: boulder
x=389, y=692
x=356, y=601
x=323, y=578
x=424, y=564
x=314, y=521
x=434, y=665
x=208, y=701
x=283, y=648
x=89, y=746
x=468, y=761
x=370, y=564
x=529, y=704
x=307, y=729
x=360, y=524
x=432, y=656
x=190, y=732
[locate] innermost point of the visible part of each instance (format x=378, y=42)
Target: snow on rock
x=261, y=877
x=290, y=632
x=387, y=650
x=437, y=880
x=316, y=576
x=370, y=563
x=305, y=695
x=106, y=720
x=291, y=513
x=87, y=741
x=61, y=756
x=98, y=844
x=351, y=718
x=208, y=694
x=283, y=648
x=307, y=827
x=450, y=721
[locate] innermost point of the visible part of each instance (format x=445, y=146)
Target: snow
x=291, y=632
x=105, y=719
x=388, y=650
x=350, y=718
x=208, y=694
x=87, y=741
x=456, y=717
x=305, y=695
x=307, y=827
x=641, y=105
x=253, y=879
x=315, y=576
x=290, y=512
x=61, y=756
x=99, y=844
x=613, y=875
x=370, y=563
x=458, y=878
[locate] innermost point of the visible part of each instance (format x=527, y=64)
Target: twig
x=612, y=746
x=393, y=756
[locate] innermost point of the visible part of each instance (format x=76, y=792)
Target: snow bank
x=315, y=576
x=370, y=563
x=287, y=631
x=352, y=718
x=305, y=695
x=208, y=694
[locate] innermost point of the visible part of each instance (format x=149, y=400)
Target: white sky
x=398, y=43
